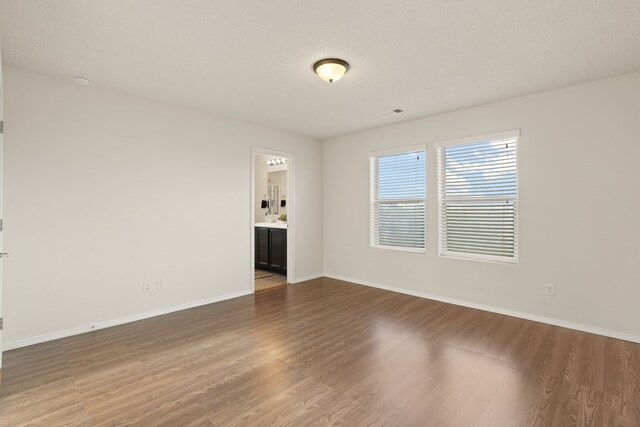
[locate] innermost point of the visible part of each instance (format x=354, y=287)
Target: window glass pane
x=401, y=224
x=401, y=176
x=483, y=169
x=398, y=200
x=478, y=199
x=480, y=227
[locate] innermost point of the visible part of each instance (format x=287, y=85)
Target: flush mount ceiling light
x=274, y=162
x=81, y=80
x=331, y=69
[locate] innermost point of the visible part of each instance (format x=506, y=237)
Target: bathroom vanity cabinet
x=271, y=249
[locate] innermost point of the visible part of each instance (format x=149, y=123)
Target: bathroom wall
x=262, y=171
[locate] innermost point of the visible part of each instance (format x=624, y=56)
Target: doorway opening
x=271, y=219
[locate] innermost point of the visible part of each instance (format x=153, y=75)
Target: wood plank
x=325, y=353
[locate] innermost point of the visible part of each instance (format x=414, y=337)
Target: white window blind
x=397, y=200
x=478, y=198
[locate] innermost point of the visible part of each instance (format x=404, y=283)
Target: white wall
x=104, y=191
x=579, y=207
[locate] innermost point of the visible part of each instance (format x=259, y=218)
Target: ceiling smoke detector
x=82, y=80
x=389, y=113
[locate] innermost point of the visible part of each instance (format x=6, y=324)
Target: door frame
x=1, y=216
x=291, y=217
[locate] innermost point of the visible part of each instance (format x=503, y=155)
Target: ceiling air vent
x=390, y=113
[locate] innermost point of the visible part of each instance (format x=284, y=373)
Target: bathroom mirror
x=276, y=190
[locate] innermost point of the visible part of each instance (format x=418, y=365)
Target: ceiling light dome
x=331, y=69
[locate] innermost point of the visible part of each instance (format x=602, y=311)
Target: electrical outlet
x=146, y=287
x=160, y=285
x=549, y=289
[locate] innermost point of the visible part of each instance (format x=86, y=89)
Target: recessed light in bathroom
x=275, y=162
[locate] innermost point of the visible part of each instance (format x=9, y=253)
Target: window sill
x=480, y=258
x=400, y=249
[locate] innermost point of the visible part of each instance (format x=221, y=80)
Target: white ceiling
x=251, y=60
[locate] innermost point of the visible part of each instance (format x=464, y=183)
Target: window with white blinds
x=397, y=200
x=478, y=197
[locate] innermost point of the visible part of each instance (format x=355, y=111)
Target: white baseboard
x=310, y=277
x=513, y=313
x=127, y=319
x=119, y=321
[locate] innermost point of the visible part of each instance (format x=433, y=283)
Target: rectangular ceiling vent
x=390, y=113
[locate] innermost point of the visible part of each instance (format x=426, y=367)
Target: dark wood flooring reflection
x=325, y=353
x=267, y=280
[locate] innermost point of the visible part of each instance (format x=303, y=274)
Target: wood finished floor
x=325, y=353
x=265, y=280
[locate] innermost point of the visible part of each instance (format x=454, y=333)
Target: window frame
x=440, y=146
x=392, y=152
